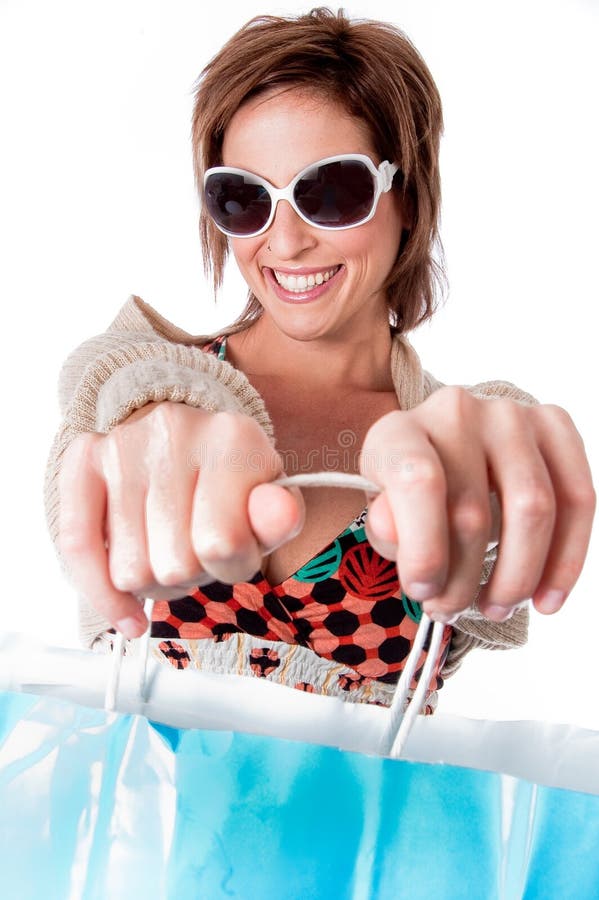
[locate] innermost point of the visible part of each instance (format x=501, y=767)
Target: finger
x=528, y=506
x=470, y=524
x=563, y=451
x=412, y=477
x=240, y=458
x=125, y=518
x=276, y=514
x=82, y=540
x=221, y=534
x=380, y=526
x=169, y=503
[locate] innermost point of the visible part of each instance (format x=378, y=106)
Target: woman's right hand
x=171, y=498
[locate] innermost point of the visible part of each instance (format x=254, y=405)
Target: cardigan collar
x=412, y=384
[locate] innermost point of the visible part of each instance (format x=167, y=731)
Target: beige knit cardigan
x=142, y=357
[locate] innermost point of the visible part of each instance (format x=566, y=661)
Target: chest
x=315, y=434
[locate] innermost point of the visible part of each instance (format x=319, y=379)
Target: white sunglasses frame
x=382, y=175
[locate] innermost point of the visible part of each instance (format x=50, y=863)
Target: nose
x=289, y=236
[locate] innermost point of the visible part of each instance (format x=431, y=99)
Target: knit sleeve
x=472, y=629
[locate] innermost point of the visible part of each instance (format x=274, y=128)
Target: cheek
x=376, y=243
x=389, y=235
x=392, y=214
x=244, y=253
x=238, y=251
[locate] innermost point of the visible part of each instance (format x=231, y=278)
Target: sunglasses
x=336, y=192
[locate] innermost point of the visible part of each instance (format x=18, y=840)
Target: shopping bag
x=97, y=804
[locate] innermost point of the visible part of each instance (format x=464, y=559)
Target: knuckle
x=117, y=480
x=165, y=412
x=231, y=425
x=129, y=579
x=72, y=541
x=557, y=414
x=534, y=504
x=82, y=444
x=454, y=397
x=425, y=566
x=511, y=414
x=79, y=451
x=222, y=548
x=378, y=436
x=418, y=472
x=589, y=500
x=508, y=592
x=175, y=573
x=161, y=427
x=228, y=555
x=161, y=430
x=237, y=441
x=114, y=453
x=471, y=518
x=558, y=420
x=125, y=582
x=583, y=497
x=262, y=462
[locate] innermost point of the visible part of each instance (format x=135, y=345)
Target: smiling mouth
x=301, y=283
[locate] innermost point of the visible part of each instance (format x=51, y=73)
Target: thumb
x=380, y=527
x=276, y=514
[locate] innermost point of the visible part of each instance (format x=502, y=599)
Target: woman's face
x=276, y=135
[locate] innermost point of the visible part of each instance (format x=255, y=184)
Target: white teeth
x=299, y=283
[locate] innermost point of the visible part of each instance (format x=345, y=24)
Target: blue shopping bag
x=98, y=805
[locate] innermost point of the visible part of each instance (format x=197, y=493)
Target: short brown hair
x=374, y=71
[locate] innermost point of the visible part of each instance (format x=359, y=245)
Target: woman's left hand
x=437, y=465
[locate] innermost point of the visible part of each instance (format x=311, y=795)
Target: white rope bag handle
x=401, y=718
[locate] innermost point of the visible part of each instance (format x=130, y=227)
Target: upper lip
x=305, y=270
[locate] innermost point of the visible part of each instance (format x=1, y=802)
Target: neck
x=345, y=361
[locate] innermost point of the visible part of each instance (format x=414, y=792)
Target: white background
x=97, y=202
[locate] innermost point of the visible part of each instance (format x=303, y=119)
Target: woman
x=316, y=153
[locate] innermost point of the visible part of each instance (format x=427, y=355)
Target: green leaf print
x=322, y=566
x=413, y=609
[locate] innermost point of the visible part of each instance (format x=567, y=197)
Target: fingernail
x=132, y=626
x=499, y=613
x=520, y=606
x=551, y=601
x=423, y=590
x=444, y=618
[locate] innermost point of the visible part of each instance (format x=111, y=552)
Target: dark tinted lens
x=336, y=194
x=236, y=204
